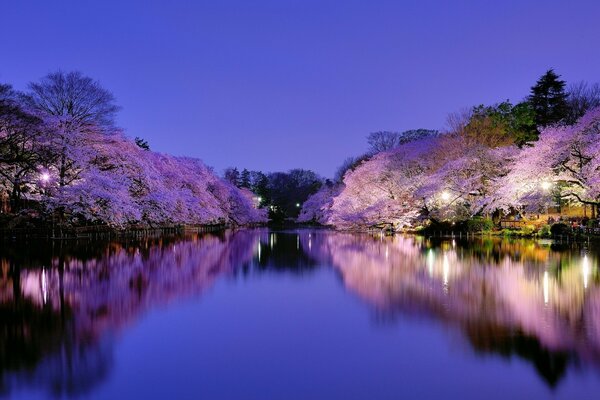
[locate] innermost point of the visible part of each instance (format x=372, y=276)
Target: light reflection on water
x=64, y=305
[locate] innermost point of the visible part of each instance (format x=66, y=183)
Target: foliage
x=503, y=124
x=560, y=229
x=281, y=193
x=545, y=231
x=141, y=143
x=480, y=224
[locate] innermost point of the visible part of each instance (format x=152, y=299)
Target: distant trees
x=387, y=140
x=282, y=193
x=549, y=99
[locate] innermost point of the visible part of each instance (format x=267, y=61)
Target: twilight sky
x=274, y=85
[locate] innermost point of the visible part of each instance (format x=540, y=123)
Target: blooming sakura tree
x=463, y=177
x=119, y=183
x=317, y=208
x=564, y=162
x=461, y=174
x=59, y=146
x=383, y=189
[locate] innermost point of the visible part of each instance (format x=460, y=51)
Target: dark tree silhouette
x=549, y=99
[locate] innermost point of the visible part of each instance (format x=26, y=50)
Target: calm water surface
x=257, y=314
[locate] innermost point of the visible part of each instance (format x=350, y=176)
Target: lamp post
x=546, y=187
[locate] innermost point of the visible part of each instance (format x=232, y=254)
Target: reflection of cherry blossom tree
x=504, y=296
x=59, y=320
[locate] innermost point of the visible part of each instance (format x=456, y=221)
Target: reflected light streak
x=446, y=271
x=585, y=269
x=259, y=250
x=430, y=262
x=546, y=284
x=44, y=287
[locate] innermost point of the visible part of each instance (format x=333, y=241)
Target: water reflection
x=518, y=297
x=62, y=305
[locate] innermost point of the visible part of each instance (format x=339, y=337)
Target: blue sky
x=274, y=85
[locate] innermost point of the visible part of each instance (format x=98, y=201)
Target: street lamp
x=546, y=185
x=445, y=195
x=298, y=205
x=44, y=177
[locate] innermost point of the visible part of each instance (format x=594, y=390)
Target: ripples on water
x=64, y=305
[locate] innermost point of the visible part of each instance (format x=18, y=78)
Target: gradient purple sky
x=274, y=85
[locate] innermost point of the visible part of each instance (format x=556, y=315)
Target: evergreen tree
x=245, y=179
x=549, y=99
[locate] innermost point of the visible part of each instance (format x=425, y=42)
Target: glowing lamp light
x=445, y=195
x=546, y=185
x=259, y=199
x=297, y=204
x=44, y=177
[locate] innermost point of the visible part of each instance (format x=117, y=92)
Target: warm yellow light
x=586, y=271
x=445, y=195
x=546, y=185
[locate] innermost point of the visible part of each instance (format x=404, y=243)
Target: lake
x=300, y=314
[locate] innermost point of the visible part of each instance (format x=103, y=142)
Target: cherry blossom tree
x=383, y=189
x=564, y=162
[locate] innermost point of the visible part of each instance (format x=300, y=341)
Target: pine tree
x=245, y=179
x=549, y=99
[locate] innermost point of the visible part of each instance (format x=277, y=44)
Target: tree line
x=281, y=193
x=490, y=160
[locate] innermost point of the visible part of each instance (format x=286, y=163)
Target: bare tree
x=79, y=99
x=582, y=97
x=382, y=141
x=75, y=105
